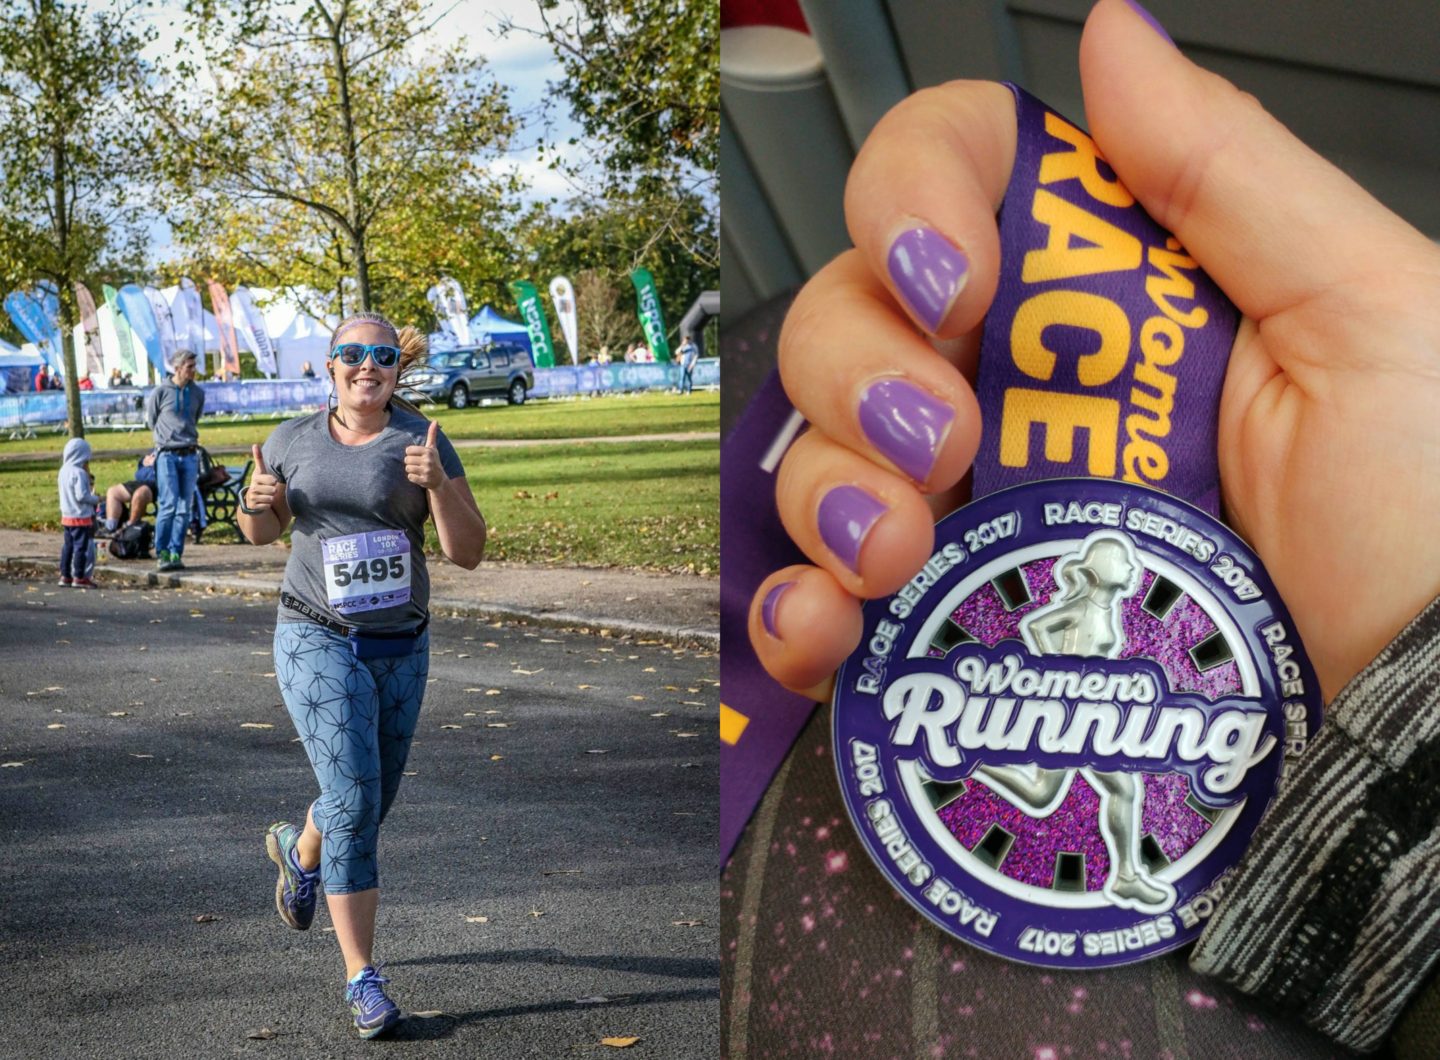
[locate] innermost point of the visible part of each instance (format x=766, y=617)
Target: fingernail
x=1148, y=17
x=928, y=271
x=767, y=609
x=846, y=515
x=906, y=424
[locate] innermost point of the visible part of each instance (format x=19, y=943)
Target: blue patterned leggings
x=355, y=718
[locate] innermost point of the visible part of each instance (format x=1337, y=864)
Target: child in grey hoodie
x=77, y=514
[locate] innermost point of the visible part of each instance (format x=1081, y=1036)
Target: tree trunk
x=65, y=294
x=353, y=198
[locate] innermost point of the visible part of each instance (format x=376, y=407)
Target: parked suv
x=464, y=375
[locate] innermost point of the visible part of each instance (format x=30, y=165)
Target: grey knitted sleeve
x=1334, y=913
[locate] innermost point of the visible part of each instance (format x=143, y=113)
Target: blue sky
x=518, y=61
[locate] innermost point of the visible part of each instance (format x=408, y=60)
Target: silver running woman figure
x=1085, y=620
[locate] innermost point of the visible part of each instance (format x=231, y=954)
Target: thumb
x=430, y=438
x=1270, y=220
x=259, y=460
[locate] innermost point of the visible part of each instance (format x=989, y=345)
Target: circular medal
x=1056, y=740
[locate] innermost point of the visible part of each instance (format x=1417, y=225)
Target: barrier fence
x=124, y=406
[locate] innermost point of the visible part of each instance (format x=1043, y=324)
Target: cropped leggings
x=355, y=718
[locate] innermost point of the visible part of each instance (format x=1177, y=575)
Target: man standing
x=689, y=354
x=171, y=411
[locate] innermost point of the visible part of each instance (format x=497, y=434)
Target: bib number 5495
x=366, y=571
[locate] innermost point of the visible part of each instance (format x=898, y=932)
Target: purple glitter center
x=1074, y=827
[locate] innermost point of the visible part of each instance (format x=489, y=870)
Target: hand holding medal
x=422, y=462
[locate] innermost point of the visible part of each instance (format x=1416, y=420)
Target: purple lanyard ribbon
x=1103, y=354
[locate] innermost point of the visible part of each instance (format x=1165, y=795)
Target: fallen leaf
x=414, y=774
x=537, y=913
x=431, y=1014
x=462, y=655
x=596, y=1000
x=492, y=691
x=259, y=653
x=584, y=686
x=528, y=673
x=11, y=765
x=597, y=752
x=648, y=670
x=119, y=714
x=256, y=725
x=637, y=699
x=619, y=1043
x=687, y=923
x=685, y=735
x=496, y=758
x=561, y=872
x=206, y=918
x=449, y=726
x=329, y=930
x=474, y=690
x=691, y=703
x=477, y=920
x=660, y=714
x=497, y=725
x=56, y=725
x=264, y=1034
x=490, y=644
x=469, y=714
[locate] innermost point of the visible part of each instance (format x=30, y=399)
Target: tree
x=68, y=157
x=617, y=235
x=642, y=78
x=601, y=320
x=333, y=153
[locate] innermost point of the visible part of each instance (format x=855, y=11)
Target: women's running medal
x=1057, y=739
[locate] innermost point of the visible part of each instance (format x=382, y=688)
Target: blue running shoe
x=295, y=890
x=374, y=1012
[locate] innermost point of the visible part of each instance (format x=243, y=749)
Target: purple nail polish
x=928, y=271
x=905, y=423
x=1148, y=17
x=767, y=609
x=846, y=515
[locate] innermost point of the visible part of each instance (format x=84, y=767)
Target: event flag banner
x=563, y=295
x=647, y=301
x=189, y=317
x=89, y=328
x=139, y=314
x=124, y=338
x=448, y=300
x=109, y=342
x=533, y=314
x=49, y=296
x=250, y=322
x=25, y=310
x=165, y=324
x=225, y=325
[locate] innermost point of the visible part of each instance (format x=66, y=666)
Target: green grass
x=652, y=506
x=617, y=414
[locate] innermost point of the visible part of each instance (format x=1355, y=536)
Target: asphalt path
x=144, y=789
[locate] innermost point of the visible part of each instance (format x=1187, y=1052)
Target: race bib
x=364, y=572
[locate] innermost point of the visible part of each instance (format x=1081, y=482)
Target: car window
x=499, y=359
x=449, y=361
x=480, y=361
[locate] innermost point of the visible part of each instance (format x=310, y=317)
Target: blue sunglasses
x=353, y=353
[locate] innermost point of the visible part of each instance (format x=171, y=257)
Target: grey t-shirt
x=357, y=542
x=172, y=411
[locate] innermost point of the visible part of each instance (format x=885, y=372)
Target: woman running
x=1085, y=620
x=351, y=651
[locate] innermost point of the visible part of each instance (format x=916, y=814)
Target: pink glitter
x=1074, y=827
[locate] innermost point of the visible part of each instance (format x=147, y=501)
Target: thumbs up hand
x=261, y=494
x=422, y=462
